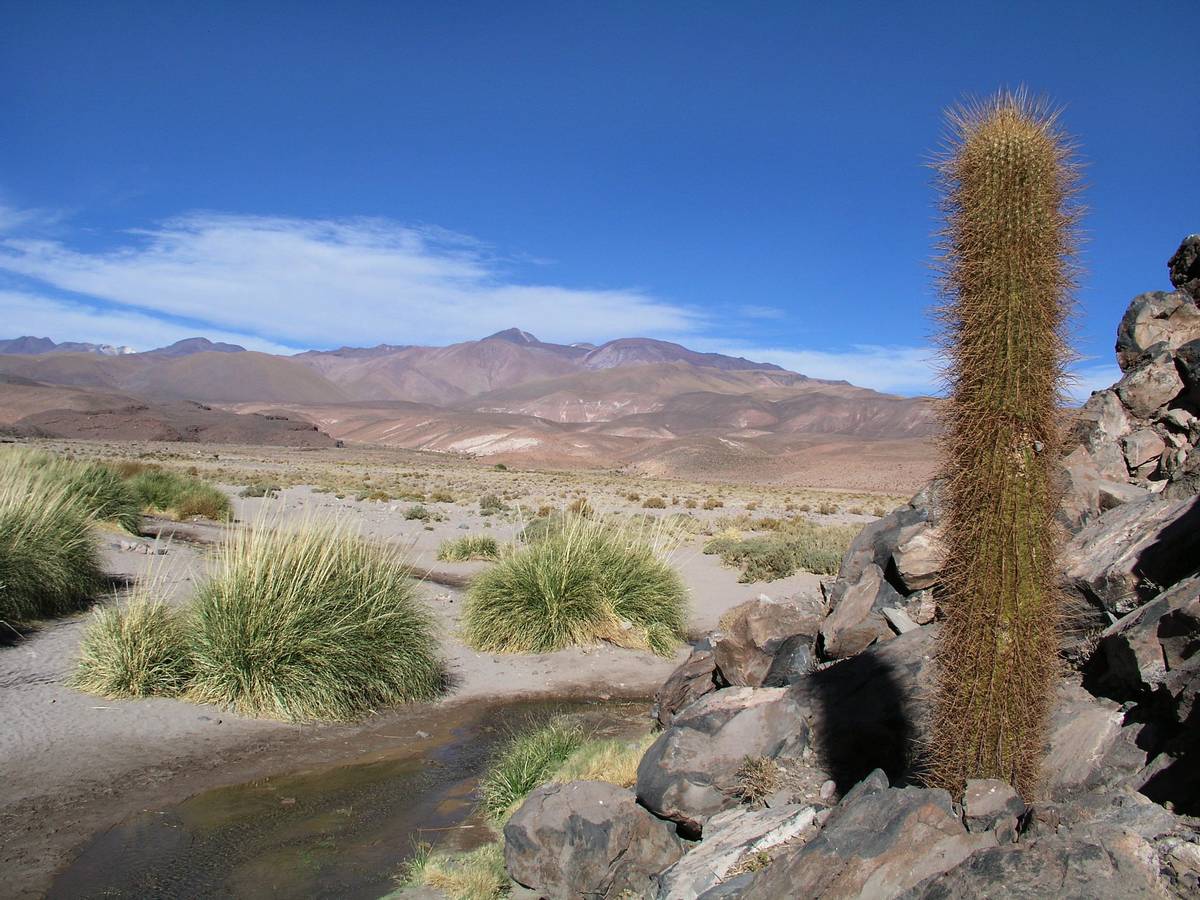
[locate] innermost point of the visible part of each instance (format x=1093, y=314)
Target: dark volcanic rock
x=1079, y=869
x=752, y=633
x=688, y=683
x=587, y=839
x=878, y=843
x=1171, y=319
x=1184, y=267
x=690, y=773
x=856, y=617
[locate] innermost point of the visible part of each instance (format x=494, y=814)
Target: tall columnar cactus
x=1008, y=183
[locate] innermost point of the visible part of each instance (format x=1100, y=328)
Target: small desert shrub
x=469, y=546
x=490, y=504
x=376, y=495
x=689, y=503
x=581, y=506
x=800, y=546
x=752, y=506
x=584, y=580
x=96, y=489
x=49, y=560
x=756, y=779
x=525, y=762
x=477, y=874
x=417, y=512
x=265, y=489
x=500, y=467
x=311, y=623
x=179, y=495
x=633, y=496
x=654, y=503
x=826, y=508
x=441, y=497
x=136, y=650
x=713, y=503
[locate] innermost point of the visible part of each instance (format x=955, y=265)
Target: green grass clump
x=97, y=489
x=585, y=580
x=469, y=546
x=311, y=623
x=798, y=546
x=49, y=558
x=181, y=496
x=478, y=874
x=524, y=763
x=138, y=650
x=266, y=489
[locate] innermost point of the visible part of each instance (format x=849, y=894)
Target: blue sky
x=743, y=177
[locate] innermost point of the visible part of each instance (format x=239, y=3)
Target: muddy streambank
x=337, y=831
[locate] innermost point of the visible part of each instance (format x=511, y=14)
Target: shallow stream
x=336, y=832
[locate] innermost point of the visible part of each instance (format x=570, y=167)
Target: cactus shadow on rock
x=865, y=711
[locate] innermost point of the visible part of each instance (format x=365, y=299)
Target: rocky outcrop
x=587, y=839
x=751, y=635
x=1184, y=267
x=689, y=774
x=832, y=695
x=879, y=842
x=736, y=841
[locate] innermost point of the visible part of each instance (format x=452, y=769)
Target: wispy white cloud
x=326, y=282
x=63, y=320
x=892, y=369
x=753, y=311
x=1092, y=377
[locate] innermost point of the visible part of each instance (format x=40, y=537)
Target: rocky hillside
x=790, y=756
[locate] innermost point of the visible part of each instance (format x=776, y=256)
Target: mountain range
x=637, y=402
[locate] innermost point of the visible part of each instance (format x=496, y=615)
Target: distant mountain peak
x=513, y=336
x=35, y=346
x=188, y=346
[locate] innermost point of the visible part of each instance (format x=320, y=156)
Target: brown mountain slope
x=31, y=409
x=209, y=376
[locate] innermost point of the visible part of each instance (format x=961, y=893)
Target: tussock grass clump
x=136, y=650
x=311, y=623
x=97, y=489
x=469, y=546
x=524, y=763
x=605, y=759
x=1008, y=183
x=478, y=874
x=265, y=489
x=584, y=581
x=49, y=559
x=796, y=546
x=181, y=496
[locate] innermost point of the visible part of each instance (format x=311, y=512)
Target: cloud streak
x=315, y=283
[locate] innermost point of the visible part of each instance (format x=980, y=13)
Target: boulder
x=1081, y=482
x=587, y=839
x=856, y=619
x=878, y=843
x=1097, y=428
x=1089, y=744
x=690, y=772
x=689, y=682
x=753, y=632
x=1115, y=493
x=1141, y=447
x=876, y=543
x=918, y=559
x=1151, y=383
x=1125, y=557
x=730, y=840
x=992, y=806
x=1171, y=319
x=1075, y=868
x=795, y=659
x=1184, y=267
x=1187, y=360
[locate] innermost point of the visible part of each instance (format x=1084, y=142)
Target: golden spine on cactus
x=1008, y=183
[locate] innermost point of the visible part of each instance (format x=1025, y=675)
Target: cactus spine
x=1008, y=182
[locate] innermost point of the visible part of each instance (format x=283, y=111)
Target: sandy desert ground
x=75, y=764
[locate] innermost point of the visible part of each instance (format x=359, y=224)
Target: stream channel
x=335, y=832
